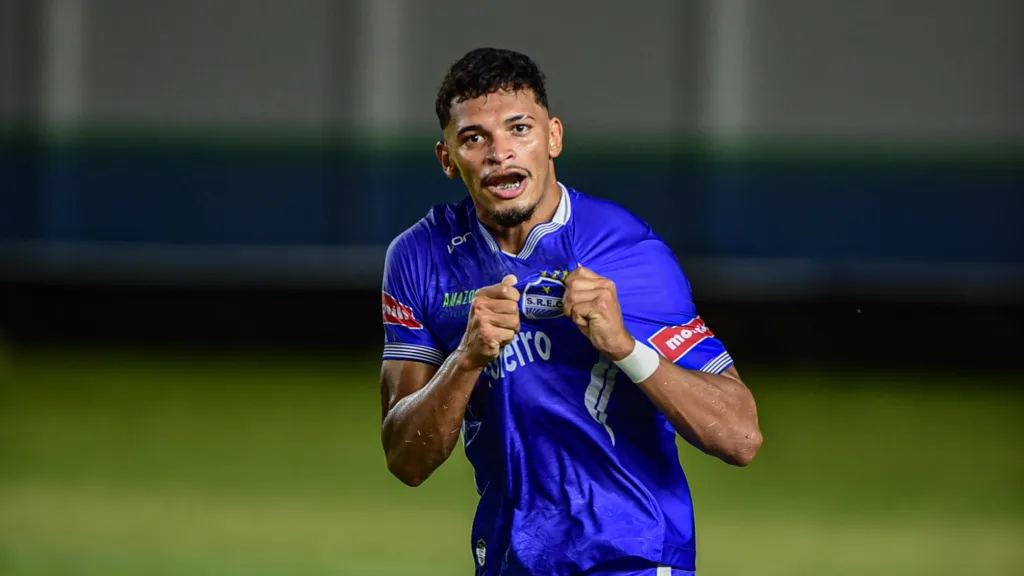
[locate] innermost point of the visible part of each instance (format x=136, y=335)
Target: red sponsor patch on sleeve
x=673, y=342
x=397, y=313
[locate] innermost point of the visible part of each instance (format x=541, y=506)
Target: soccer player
x=557, y=333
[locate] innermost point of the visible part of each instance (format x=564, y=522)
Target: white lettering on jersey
x=458, y=240
x=673, y=342
x=526, y=348
x=397, y=313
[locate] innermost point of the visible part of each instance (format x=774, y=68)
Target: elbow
x=410, y=480
x=399, y=463
x=745, y=448
x=747, y=438
x=408, y=475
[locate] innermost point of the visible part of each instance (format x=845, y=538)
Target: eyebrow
x=517, y=118
x=471, y=128
x=509, y=120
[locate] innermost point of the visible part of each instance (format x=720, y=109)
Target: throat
x=512, y=240
x=511, y=227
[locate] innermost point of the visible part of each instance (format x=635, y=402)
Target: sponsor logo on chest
x=460, y=298
x=526, y=348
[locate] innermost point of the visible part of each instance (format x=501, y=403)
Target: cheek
x=536, y=149
x=536, y=144
x=466, y=164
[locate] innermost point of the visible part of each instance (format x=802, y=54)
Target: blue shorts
x=632, y=567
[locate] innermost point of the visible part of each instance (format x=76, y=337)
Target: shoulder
x=430, y=233
x=603, y=227
x=613, y=241
x=593, y=210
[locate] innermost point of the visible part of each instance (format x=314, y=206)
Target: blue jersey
x=574, y=465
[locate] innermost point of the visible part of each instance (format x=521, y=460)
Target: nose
x=501, y=150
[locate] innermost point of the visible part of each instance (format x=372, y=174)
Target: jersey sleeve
x=407, y=333
x=658, y=308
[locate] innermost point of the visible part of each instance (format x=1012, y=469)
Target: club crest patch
x=481, y=551
x=542, y=298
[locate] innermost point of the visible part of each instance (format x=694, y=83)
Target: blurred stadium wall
x=231, y=172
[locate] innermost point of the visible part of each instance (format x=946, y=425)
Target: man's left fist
x=593, y=304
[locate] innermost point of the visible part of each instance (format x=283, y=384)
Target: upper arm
x=407, y=327
x=658, y=308
x=412, y=353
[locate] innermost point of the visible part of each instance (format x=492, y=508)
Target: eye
x=473, y=139
x=521, y=128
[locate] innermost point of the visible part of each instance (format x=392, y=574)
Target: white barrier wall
x=905, y=68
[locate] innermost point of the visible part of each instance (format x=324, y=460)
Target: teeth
x=510, y=184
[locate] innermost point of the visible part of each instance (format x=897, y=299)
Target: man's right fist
x=493, y=322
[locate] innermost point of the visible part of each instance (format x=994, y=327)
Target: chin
x=519, y=202
x=512, y=213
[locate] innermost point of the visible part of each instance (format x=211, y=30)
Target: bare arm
x=422, y=411
x=423, y=407
x=714, y=412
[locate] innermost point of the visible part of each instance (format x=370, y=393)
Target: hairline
x=458, y=99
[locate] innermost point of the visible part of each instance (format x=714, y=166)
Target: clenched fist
x=593, y=304
x=493, y=322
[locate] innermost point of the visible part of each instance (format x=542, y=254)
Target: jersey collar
x=561, y=218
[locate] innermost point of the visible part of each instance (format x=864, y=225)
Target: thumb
x=510, y=280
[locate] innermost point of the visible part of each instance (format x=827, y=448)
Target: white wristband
x=641, y=362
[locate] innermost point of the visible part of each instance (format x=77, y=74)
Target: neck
x=512, y=239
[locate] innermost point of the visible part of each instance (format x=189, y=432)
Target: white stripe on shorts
x=664, y=571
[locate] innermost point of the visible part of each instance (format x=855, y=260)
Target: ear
x=554, y=137
x=447, y=166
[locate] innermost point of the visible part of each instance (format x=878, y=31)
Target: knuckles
x=496, y=292
x=509, y=293
x=480, y=314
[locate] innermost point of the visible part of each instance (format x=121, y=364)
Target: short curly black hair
x=484, y=71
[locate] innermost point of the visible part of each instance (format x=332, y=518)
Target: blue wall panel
x=785, y=209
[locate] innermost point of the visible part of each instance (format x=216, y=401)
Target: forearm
x=420, y=430
x=714, y=412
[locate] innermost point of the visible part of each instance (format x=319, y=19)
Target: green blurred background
x=195, y=199
x=145, y=463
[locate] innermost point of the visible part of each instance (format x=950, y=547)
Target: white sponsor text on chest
x=526, y=348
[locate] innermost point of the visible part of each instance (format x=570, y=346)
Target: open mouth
x=505, y=185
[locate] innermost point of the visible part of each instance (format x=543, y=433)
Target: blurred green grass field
x=131, y=464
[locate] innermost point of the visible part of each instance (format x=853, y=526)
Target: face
x=502, y=145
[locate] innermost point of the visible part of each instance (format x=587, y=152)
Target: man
x=556, y=331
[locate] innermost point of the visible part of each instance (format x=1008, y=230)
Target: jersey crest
x=542, y=298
